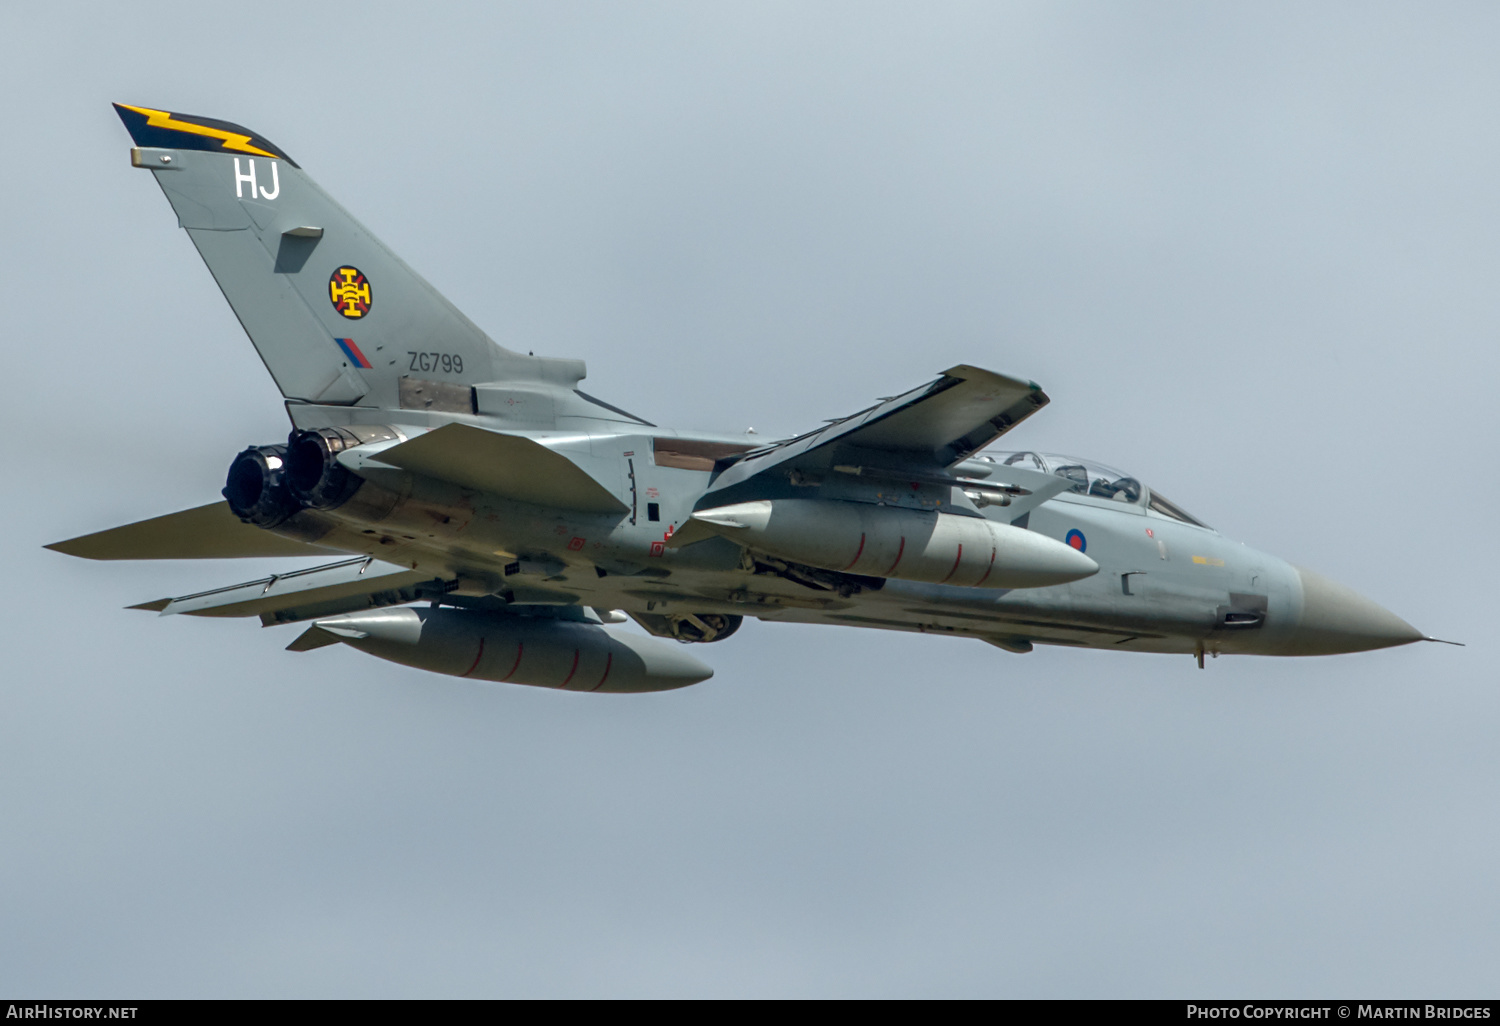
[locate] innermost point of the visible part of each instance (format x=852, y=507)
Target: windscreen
x=1090, y=477
x=1160, y=504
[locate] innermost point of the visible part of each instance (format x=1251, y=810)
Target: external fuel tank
x=905, y=544
x=562, y=654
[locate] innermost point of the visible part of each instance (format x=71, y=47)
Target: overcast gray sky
x=1250, y=251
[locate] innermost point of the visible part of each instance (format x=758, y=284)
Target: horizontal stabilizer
x=342, y=587
x=509, y=465
x=204, y=532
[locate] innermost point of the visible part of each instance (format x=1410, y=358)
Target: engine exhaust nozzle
x=256, y=488
x=313, y=471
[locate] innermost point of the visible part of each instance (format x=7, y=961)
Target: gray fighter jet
x=490, y=518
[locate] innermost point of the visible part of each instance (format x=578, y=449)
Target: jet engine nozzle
x=904, y=544
x=256, y=488
x=314, y=473
x=563, y=654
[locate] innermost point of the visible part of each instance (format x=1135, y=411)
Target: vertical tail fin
x=336, y=317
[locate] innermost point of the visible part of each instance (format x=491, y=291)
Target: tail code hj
x=241, y=178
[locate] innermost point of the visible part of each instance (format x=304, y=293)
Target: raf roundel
x=1076, y=539
x=349, y=290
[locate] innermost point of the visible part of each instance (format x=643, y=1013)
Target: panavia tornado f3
x=491, y=519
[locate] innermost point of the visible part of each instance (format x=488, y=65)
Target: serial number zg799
x=449, y=363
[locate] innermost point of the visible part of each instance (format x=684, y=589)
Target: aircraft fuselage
x=1163, y=584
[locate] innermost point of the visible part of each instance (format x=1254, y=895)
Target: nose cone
x=1337, y=619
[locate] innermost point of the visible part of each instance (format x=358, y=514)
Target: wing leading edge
x=935, y=426
x=346, y=586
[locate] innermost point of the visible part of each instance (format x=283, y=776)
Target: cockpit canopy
x=1090, y=477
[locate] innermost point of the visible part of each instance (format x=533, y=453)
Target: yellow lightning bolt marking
x=230, y=140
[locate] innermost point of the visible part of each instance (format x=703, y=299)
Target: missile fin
x=313, y=637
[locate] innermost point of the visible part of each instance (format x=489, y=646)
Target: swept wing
x=342, y=587
x=935, y=426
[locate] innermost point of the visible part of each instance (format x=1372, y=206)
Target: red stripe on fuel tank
x=520, y=647
x=861, y=551
x=607, y=664
x=987, y=569
x=899, y=553
x=477, y=656
x=956, y=560
x=564, y=684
